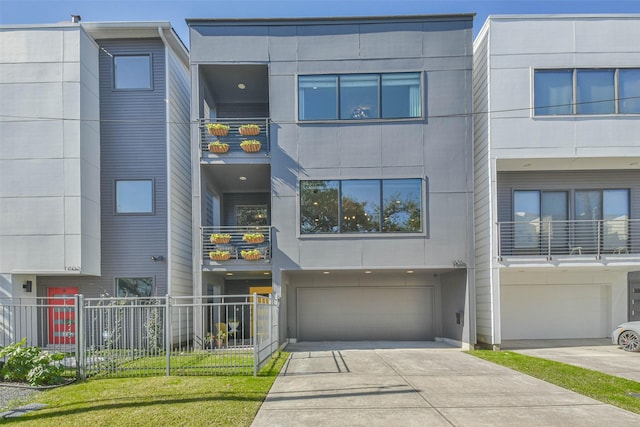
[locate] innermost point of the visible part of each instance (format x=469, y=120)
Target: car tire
x=629, y=341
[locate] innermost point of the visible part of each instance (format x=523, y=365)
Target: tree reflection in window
x=134, y=287
x=402, y=205
x=360, y=206
x=319, y=207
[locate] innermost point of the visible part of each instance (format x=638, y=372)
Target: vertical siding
x=181, y=280
x=482, y=193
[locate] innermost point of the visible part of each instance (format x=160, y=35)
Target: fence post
x=167, y=325
x=600, y=227
x=271, y=300
x=255, y=335
x=81, y=347
x=549, y=235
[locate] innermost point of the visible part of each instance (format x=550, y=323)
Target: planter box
x=252, y=257
x=251, y=148
x=248, y=131
x=218, y=148
x=218, y=131
x=220, y=240
x=222, y=257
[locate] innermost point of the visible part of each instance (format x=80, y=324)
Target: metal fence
x=116, y=337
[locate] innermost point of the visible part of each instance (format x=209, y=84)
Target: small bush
x=30, y=364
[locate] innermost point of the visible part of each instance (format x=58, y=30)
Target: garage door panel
x=554, y=311
x=365, y=313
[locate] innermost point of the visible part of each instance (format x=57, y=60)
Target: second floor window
x=134, y=196
x=587, y=91
x=361, y=206
x=132, y=72
x=359, y=96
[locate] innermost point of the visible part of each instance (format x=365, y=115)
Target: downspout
x=169, y=257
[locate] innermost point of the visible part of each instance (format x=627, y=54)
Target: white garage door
x=555, y=311
x=365, y=313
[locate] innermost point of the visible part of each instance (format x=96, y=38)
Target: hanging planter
x=249, y=130
x=218, y=147
x=250, y=145
x=220, y=238
x=251, y=254
x=219, y=255
x=218, y=129
x=253, y=238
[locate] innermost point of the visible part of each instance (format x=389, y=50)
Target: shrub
x=31, y=364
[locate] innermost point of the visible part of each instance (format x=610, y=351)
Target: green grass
x=156, y=401
x=605, y=388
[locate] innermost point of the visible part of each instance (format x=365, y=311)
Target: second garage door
x=365, y=313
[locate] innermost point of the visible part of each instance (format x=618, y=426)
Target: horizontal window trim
x=134, y=89
x=371, y=120
x=115, y=198
x=574, y=114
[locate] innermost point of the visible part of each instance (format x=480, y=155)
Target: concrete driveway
x=595, y=354
x=418, y=384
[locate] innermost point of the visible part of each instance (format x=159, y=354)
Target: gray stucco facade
x=337, y=285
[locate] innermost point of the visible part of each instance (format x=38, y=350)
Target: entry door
x=62, y=316
x=634, y=301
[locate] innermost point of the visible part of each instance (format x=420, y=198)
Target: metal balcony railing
x=238, y=241
x=233, y=138
x=577, y=237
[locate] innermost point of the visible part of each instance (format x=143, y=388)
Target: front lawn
x=605, y=388
x=156, y=401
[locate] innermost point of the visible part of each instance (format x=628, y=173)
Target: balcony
x=232, y=140
x=578, y=239
x=230, y=245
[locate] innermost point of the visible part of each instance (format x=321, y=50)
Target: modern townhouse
x=557, y=180
x=351, y=196
x=94, y=165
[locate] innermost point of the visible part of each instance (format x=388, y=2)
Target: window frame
x=114, y=85
x=115, y=196
x=574, y=92
x=338, y=98
x=360, y=234
x=151, y=292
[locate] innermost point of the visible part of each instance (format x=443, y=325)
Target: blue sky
x=176, y=11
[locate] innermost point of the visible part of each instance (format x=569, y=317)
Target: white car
x=627, y=336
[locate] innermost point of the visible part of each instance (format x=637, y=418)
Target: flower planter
x=253, y=238
x=255, y=241
x=218, y=148
x=252, y=255
x=249, y=130
x=220, y=239
x=216, y=129
x=250, y=146
x=219, y=256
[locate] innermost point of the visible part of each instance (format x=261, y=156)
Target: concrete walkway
x=418, y=384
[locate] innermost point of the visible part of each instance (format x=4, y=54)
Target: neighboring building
x=95, y=177
x=557, y=180
x=363, y=185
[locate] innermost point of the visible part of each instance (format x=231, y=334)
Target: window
x=605, y=213
x=540, y=221
x=361, y=206
x=359, y=96
x=254, y=216
x=132, y=71
x=134, y=196
x=136, y=287
x=586, y=91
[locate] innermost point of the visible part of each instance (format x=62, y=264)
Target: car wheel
x=629, y=341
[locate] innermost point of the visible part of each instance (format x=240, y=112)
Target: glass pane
x=553, y=92
x=629, y=91
x=132, y=72
x=401, y=95
x=139, y=287
x=555, y=232
x=615, y=206
x=134, y=196
x=595, y=92
x=251, y=216
x=588, y=213
x=359, y=96
x=317, y=98
x=526, y=217
x=318, y=207
x=360, y=206
x=402, y=205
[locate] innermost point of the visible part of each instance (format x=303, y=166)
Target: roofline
x=565, y=16
x=338, y=19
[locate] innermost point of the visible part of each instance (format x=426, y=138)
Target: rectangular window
x=134, y=196
x=361, y=206
x=132, y=71
x=586, y=91
x=359, y=96
x=134, y=287
x=540, y=221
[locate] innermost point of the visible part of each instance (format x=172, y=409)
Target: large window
x=587, y=91
x=134, y=196
x=134, y=287
x=361, y=206
x=359, y=96
x=132, y=72
x=540, y=220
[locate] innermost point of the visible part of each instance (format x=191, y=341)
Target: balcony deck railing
x=552, y=238
x=233, y=240
x=233, y=138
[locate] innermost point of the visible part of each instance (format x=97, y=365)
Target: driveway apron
x=418, y=384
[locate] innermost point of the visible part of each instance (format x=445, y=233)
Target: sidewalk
x=377, y=384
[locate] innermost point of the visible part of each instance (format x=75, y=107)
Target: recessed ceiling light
x=241, y=86
x=325, y=272
x=410, y=271
x=229, y=274
x=266, y=273
x=367, y=272
x=243, y=178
